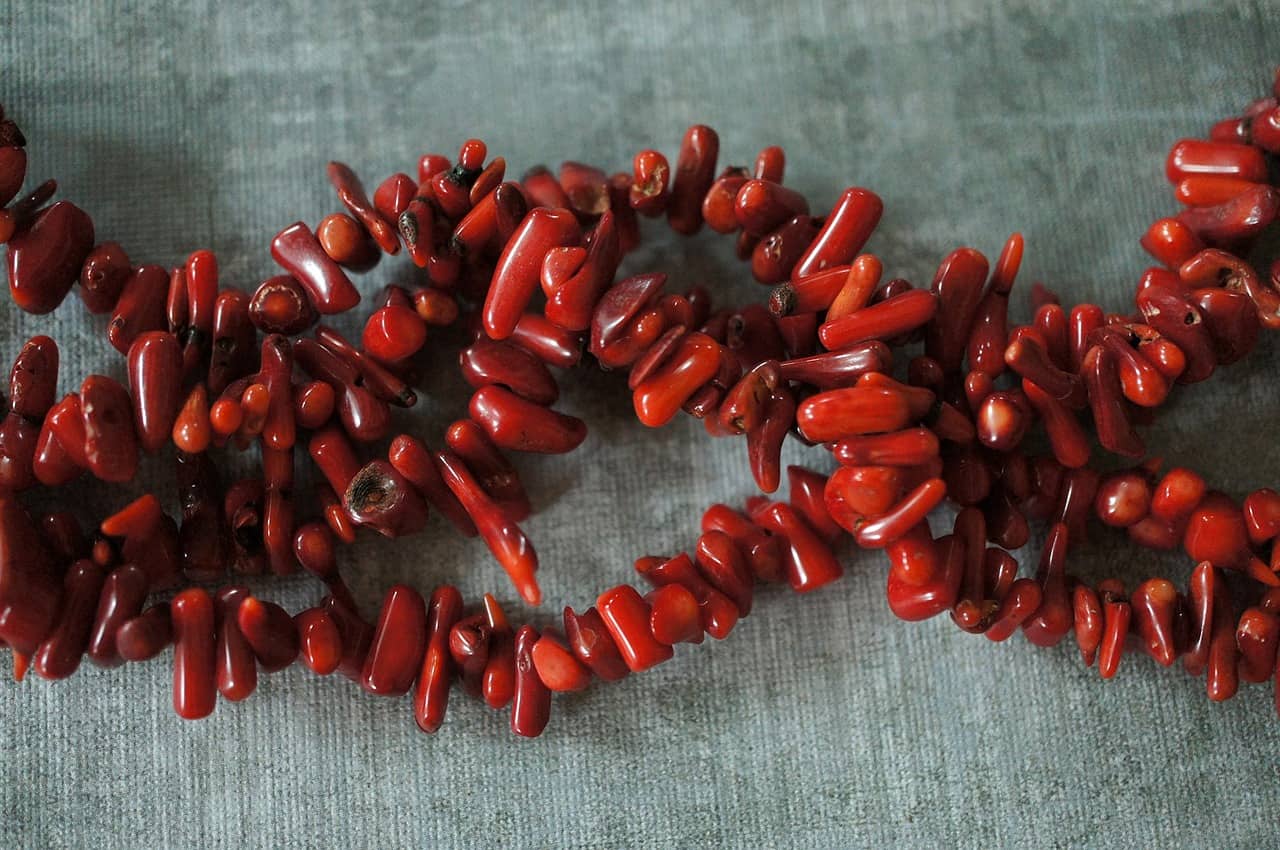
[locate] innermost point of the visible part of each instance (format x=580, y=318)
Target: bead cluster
x=813, y=360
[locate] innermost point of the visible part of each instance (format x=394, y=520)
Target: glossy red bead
x=45, y=259
x=194, y=640
x=626, y=615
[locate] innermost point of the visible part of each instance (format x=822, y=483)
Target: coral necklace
x=530, y=267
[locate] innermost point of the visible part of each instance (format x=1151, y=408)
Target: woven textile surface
x=822, y=722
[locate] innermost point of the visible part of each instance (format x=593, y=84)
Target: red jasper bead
x=399, y=641
x=393, y=334
x=194, y=679
x=626, y=615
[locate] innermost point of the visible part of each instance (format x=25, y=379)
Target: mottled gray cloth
x=822, y=722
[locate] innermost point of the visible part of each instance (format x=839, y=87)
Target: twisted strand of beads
x=815, y=364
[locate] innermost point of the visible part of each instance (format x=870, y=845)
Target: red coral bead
x=393, y=334
x=626, y=615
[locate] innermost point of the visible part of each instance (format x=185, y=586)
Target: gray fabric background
x=822, y=722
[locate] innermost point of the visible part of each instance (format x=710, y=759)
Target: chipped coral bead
x=280, y=305
x=1116, y=617
x=379, y=497
x=924, y=575
x=1053, y=619
x=351, y=193
x=1018, y=604
x=884, y=320
x=1216, y=532
x=506, y=541
x=1154, y=605
x=347, y=242
x=399, y=641
x=557, y=667
x=297, y=250
x=1262, y=515
x=194, y=678
x=590, y=640
x=270, y=632
x=626, y=616
x=515, y=277
x=694, y=174
x=123, y=593
x=140, y=308
x=695, y=362
x=319, y=642
x=1257, y=638
x=1122, y=499
x=809, y=562
x=531, y=700
x=110, y=444
x=719, y=614
x=851, y=412
x=45, y=259
x=60, y=652
x=1192, y=157
x=774, y=257
x=155, y=381
x=760, y=206
x=236, y=668
x=675, y=616
x=516, y=424
x=145, y=636
x=102, y=277
x=393, y=334
x=649, y=192
x=846, y=229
